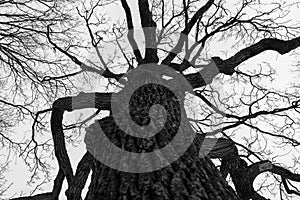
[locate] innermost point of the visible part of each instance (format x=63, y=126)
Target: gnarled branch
x=83, y=100
x=227, y=66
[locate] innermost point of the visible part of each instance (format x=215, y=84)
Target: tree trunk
x=189, y=177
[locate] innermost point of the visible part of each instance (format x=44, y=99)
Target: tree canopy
x=53, y=53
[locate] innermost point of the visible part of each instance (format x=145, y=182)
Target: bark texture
x=190, y=177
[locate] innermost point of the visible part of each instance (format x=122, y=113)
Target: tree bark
x=189, y=177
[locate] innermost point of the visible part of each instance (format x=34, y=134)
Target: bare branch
x=197, y=16
x=83, y=100
x=149, y=29
x=105, y=73
x=130, y=34
x=227, y=66
x=83, y=169
x=57, y=186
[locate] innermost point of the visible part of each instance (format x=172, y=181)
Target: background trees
x=28, y=63
x=256, y=117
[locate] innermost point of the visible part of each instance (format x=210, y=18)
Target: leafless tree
x=28, y=63
x=249, y=117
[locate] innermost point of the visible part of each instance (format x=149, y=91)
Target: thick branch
x=130, y=34
x=227, y=66
x=197, y=16
x=216, y=147
x=263, y=166
x=83, y=100
x=243, y=176
x=285, y=173
x=82, y=172
x=149, y=29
